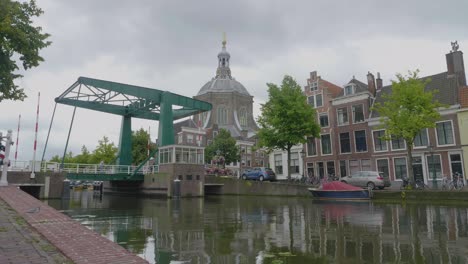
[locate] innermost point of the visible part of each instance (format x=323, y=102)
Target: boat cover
x=338, y=186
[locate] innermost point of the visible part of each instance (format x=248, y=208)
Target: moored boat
x=339, y=191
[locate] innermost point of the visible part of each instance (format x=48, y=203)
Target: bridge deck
x=105, y=177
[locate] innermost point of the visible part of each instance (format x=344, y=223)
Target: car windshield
x=268, y=169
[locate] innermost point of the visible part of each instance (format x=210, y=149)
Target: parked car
x=367, y=179
x=259, y=173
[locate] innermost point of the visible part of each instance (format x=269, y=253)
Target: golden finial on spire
x=224, y=39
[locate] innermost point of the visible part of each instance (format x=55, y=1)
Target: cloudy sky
x=172, y=45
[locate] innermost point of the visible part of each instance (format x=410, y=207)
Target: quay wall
x=45, y=185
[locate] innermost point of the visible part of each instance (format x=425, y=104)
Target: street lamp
x=434, y=177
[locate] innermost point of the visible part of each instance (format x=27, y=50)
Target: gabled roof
x=360, y=87
x=446, y=84
x=186, y=123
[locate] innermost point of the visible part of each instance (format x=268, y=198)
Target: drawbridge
x=127, y=101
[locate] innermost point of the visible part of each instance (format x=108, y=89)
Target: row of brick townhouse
x=350, y=132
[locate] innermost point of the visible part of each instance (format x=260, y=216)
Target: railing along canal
x=80, y=168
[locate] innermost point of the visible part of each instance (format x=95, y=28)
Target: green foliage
x=286, y=119
x=140, y=140
x=226, y=145
x=408, y=109
x=105, y=151
x=18, y=38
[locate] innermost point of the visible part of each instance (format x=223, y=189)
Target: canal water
x=273, y=230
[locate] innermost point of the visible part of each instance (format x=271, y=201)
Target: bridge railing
x=46, y=166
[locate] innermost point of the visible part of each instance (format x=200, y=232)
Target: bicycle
x=457, y=182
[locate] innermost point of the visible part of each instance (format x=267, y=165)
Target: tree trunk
x=409, y=147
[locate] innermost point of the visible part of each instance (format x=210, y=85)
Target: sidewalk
x=37, y=233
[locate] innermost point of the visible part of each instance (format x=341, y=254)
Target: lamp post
x=434, y=177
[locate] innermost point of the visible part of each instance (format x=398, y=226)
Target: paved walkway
x=21, y=244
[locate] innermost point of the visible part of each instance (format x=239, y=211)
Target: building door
x=321, y=170
x=418, y=169
x=382, y=166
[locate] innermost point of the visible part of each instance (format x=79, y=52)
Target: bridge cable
x=48, y=133
x=69, y=130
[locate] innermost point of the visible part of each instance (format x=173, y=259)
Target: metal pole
x=69, y=130
x=48, y=133
x=434, y=178
x=33, y=167
x=17, y=139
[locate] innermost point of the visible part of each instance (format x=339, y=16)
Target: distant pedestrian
x=101, y=165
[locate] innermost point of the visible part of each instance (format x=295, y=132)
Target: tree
x=140, y=139
x=286, y=119
x=84, y=157
x=406, y=110
x=223, y=145
x=18, y=39
x=105, y=151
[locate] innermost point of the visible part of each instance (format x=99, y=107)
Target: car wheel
x=261, y=178
x=381, y=187
x=343, y=181
x=244, y=177
x=371, y=185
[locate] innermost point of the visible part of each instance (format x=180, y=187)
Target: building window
x=311, y=146
x=310, y=169
x=353, y=166
x=358, y=113
x=278, y=164
x=345, y=143
x=331, y=168
x=311, y=100
x=343, y=168
x=366, y=165
x=313, y=86
x=361, y=141
x=456, y=164
x=180, y=139
x=222, y=115
x=189, y=138
x=318, y=100
x=294, y=167
x=421, y=139
x=215, y=134
x=243, y=117
x=323, y=120
x=382, y=166
x=321, y=170
x=433, y=163
x=400, y=168
x=349, y=89
x=326, y=144
x=342, y=116
x=398, y=144
x=444, y=133
x=379, y=143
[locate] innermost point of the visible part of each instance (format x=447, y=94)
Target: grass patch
x=20, y=220
x=3, y=229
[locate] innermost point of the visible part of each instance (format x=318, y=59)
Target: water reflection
x=274, y=230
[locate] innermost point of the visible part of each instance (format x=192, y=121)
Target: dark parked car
x=260, y=174
x=367, y=179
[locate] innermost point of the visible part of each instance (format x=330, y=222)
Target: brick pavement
x=75, y=241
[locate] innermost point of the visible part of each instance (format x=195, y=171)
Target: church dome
x=218, y=85
x=223, y=81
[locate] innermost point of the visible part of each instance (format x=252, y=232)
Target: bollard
x=66, y=189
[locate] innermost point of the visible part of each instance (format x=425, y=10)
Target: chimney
x=313, y=75
x=371, y=83
x=455, y=65
x=379, y=81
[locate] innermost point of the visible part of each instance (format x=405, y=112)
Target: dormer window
x=349, y=89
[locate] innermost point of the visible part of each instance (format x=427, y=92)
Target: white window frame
x=354, y=115
x=328, y=119
x=339, y=142
x=461, y=161
x=338, y=116
x=313, y=86
x=331, y=145
x=429, y=169
x=394, y=170
x=391, y=146
x=353, y=89
x=190, y=139
x=377, y=165
x=313, y=101
x=316, y=105
x=355, y=143
x=373, y=141
x=428, y=140
x=453, y=133
x=307, y=148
